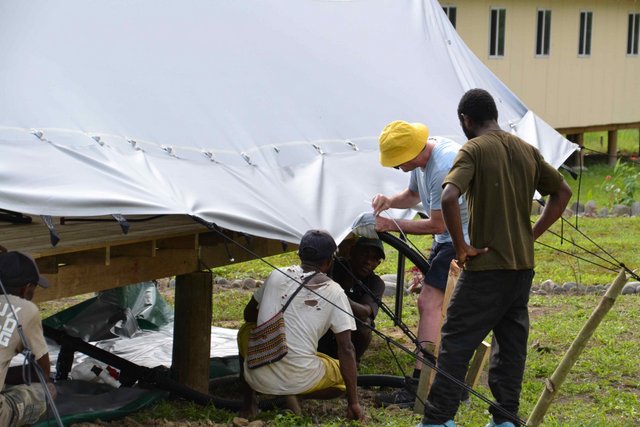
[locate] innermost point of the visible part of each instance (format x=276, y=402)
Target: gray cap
x=376, y=243
x=317, y=245
x=18, y=270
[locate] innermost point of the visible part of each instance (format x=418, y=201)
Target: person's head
x=475, y=109
x=317, y=248
x=401, y=143
x=366, y=254
x=19, y=274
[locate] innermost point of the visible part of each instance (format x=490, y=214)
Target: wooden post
x=427, y=374
x=192, y=330
x=424, y=384
x=552, y=385
x=612, y=146
x=578, y=138
x=478, y=361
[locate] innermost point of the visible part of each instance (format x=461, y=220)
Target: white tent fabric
x=260, y=116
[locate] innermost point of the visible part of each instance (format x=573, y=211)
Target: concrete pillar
x=192, y=330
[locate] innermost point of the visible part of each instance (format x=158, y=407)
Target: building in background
x=575, y=63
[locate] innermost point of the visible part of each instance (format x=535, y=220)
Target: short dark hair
x=479, y=105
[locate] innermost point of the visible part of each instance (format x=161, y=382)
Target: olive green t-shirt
x=499, y=173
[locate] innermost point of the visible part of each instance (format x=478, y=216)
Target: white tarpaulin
x=260, y=116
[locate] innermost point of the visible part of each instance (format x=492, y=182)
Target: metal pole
x=399, y=287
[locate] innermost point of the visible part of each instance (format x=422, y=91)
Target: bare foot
x=249, y=407
x=292, y=403
x=248, y=413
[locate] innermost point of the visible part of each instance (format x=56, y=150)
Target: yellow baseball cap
x=401, y=141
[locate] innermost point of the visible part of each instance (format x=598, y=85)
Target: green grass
x=617, y=237
x=627, y=141
x=601, y=390
x=590, y=185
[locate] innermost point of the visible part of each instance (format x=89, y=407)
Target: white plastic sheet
x=260, y=116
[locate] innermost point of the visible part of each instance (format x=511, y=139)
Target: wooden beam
x=48, y=265
x=424, y=385
x=225, y=253
x=180, y=242
x=84, y=277
x=192, y=331
x=142, y=249
x=598, y=128
x=93, y=256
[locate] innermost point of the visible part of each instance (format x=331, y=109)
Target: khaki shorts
x=332, y=377
x=22, y=404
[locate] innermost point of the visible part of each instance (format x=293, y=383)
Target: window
x=450, y=11
x=543, y=35
x=496, y=39
x=632, y=35
x=584, y=44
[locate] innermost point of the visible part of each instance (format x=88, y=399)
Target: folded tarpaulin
x=260, y=116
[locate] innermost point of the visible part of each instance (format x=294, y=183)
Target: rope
x=579, y=247
x=406, y=238
x=576, y=256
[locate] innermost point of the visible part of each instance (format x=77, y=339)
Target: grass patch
x=601, y=390
x=616, y=236
x=627, y=141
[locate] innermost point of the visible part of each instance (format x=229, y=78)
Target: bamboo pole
x=552, y=384
x=427, y=374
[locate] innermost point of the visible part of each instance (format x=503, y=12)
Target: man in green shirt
x=498, y=173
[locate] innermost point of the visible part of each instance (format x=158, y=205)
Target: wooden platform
x=96, y=255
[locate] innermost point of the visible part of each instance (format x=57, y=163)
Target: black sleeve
x=376, y=285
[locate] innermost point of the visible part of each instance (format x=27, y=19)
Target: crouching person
x=20, y=403
x=313, y=304
x=364, y=290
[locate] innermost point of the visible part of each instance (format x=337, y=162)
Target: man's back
x=500, y=174
x=428, y=181
x=10, y=342
x=310, y=314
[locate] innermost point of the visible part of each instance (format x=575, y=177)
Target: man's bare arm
x=434, y=225
x=451, y=214
x=349, y=371
x=402, y=200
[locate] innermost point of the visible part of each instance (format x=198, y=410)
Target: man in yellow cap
x=407, y=146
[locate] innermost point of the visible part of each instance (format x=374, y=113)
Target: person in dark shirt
x=364, y=289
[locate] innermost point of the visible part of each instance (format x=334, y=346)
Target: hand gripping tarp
x=260, y=116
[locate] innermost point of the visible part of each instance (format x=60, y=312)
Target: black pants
x=483, y=301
